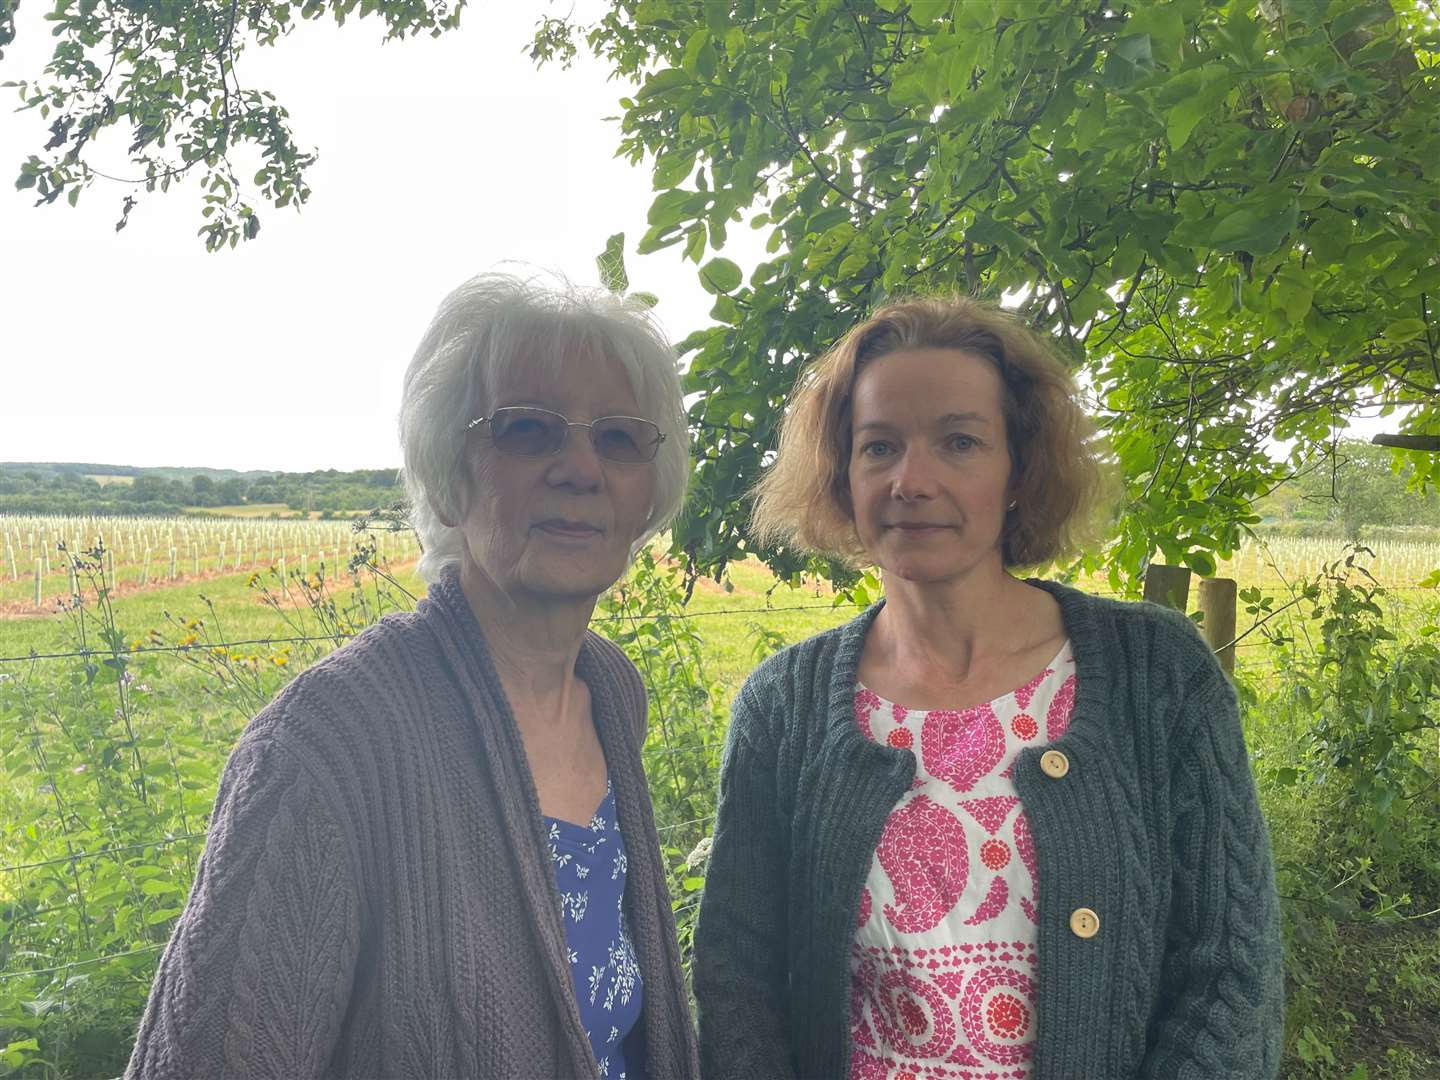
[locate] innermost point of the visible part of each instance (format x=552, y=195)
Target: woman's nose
x=914, y=476
x=576, y=464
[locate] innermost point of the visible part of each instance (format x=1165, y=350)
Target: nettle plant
x=1370, y=753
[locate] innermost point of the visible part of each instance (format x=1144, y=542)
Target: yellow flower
x=189, y=639
x=280, y=661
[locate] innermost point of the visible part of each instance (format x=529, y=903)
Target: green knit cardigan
x=1155, y=827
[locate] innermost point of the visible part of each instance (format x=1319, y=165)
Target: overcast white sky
x=438, y=159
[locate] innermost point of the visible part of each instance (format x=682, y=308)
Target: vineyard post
x=1217, y=602
x=39, y=596
x=1168, y=585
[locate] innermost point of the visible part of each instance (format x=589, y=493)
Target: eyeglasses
x=528, y=432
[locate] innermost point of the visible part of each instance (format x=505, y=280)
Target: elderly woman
x=991, y=827
x=433, y=855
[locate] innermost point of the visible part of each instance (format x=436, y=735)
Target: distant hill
x=90, y=488
x=166, y=472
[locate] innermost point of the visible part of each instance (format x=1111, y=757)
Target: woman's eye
x=875, y=449
x=963, y=442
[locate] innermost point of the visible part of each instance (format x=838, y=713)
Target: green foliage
x=1374, y=704
x=1224, y=212
x=645, y=615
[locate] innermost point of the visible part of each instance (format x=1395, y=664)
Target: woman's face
x=930, y=464
x=557, y=527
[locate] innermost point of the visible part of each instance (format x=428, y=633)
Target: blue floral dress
x=590, y=874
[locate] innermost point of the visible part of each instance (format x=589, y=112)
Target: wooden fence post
x=1217, y=601
x=1168, y=585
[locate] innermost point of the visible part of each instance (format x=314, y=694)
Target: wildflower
x=700, y=853
x=188, y=639
x=280, y=661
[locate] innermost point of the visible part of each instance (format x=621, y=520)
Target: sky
x=439, y=159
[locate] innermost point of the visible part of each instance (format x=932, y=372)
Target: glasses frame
x=654, y=446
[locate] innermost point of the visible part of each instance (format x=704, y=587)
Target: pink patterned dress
x=944, y=961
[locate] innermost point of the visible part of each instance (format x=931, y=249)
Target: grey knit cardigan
x=376, y=898
x=1155, y=828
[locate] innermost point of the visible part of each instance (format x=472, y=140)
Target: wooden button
x=1054, y=764
x=1084, y=923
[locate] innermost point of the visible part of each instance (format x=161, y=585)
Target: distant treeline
x=1355, y=489
x=57, y=490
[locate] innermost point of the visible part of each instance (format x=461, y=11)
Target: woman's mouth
x=574, y=530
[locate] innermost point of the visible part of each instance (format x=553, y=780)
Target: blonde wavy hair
x=1057, y=480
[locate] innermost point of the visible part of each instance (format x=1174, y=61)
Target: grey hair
x=480, y=329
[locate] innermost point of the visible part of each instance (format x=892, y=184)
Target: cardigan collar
x=447, y=612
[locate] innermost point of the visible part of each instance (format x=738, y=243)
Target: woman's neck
x=534, y=646
x=939, y=635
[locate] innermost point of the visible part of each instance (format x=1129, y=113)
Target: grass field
x=1366, y=995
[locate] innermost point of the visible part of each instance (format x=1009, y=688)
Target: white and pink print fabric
x=944, y=961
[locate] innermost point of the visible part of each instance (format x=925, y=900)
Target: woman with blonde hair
x=992, y=827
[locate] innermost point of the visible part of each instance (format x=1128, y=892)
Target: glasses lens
x=532, y=432
x=625, y=438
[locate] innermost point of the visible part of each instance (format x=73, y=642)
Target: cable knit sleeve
x=740, y=969
x=1222, y=1016
x=255, y=980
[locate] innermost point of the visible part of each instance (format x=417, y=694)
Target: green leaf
x=734, y=43
x=663, y=81
x=720, y=275
x=1253, y=229
x=1403, y=330
x=611, y=264
x=697, y=45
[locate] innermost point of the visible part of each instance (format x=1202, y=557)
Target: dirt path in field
x=24, y=609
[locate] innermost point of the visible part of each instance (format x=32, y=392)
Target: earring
x=1012, y=506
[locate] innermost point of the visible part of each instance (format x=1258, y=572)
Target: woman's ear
x=453, y=510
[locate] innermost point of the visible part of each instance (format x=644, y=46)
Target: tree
x=1225, y=211
x=1357, y=486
